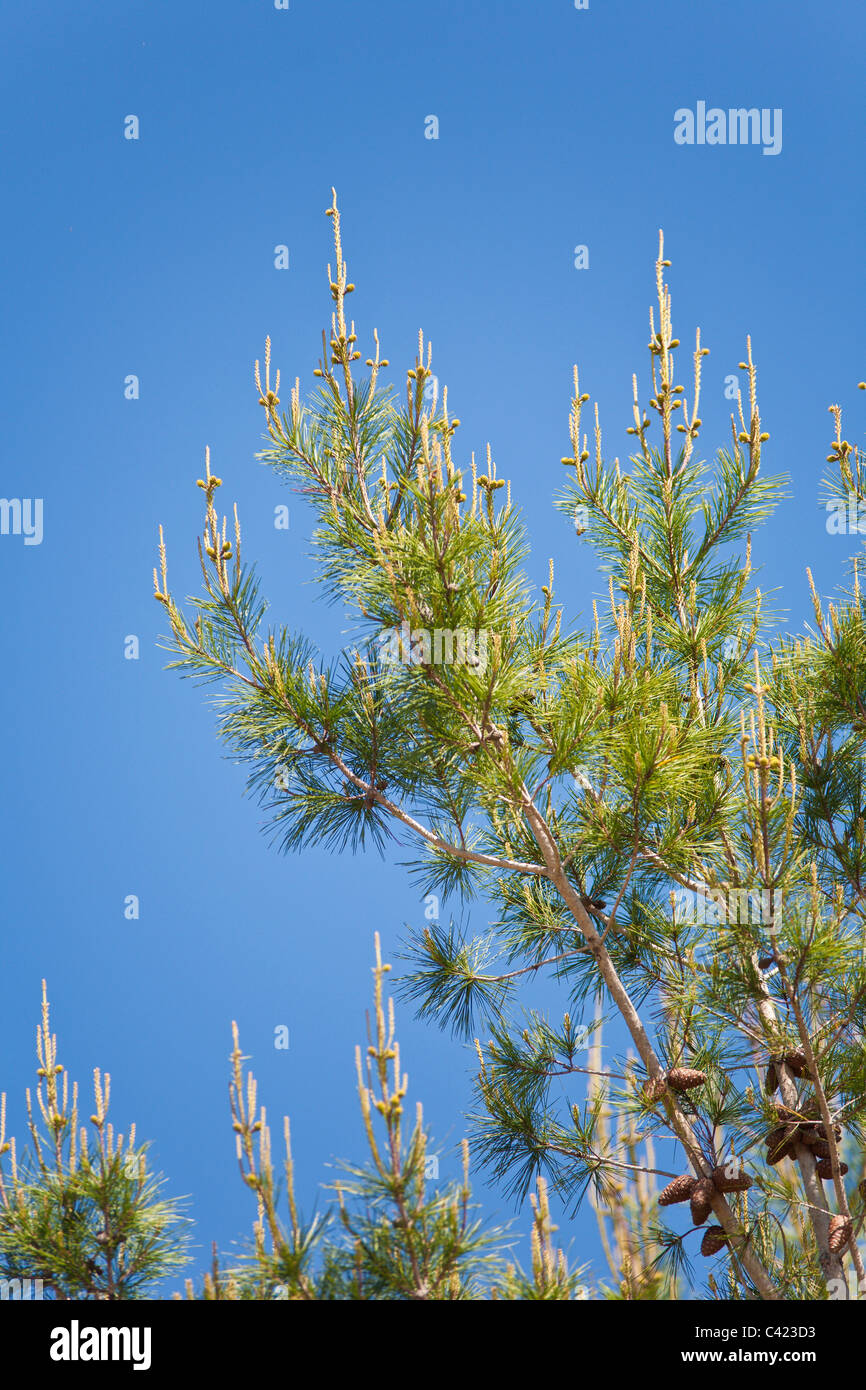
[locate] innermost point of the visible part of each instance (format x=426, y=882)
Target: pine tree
x=396, y=1236
x=667, y=807
x=82, y=1219
x=80, y=1210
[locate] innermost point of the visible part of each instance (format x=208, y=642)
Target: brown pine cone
x=741, y=1183
x=796, y=1060
x=778, y=1135
x=781, y=1143
x=841, y=1229
x=702, y=1200
x=788, y=1116
x=685, y=1078
x=820, y=1148
x=824, y=1168
x=655, y=1088
x=822, y=1133
x=714, y=1240
x=679, y=1190
x=777, y=1156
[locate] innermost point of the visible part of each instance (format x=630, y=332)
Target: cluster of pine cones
x=798, y=1127
x=802, y=1127
x=699, y=1193
x=794, y=1127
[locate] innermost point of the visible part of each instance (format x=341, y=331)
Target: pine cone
x=685, y=1078
x=796, y=1060
x=789, y=1116
x=781, y=1143
x=777, y=1156
x=655, y=1088
x=824, y=1169
x=680, y=1190
x=702, y=1200
x=820, y=1148
x=837, y=1131
x=780, y=1153
x=741, y=1183
x=841, y=1229
x=715, y=1239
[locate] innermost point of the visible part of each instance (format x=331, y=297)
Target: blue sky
x=155, y=257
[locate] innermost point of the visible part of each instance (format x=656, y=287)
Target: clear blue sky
x=155, y=257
